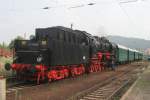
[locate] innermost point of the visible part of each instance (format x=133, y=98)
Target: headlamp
x=39, y=59
x=43, y=42
x=23, y=42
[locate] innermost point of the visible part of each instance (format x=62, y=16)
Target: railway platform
x=140, y=90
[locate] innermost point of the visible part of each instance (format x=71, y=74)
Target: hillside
x=131, y=42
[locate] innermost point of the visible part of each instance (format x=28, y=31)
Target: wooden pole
x=2, y=88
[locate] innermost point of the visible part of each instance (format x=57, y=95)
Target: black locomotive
x=58, y=52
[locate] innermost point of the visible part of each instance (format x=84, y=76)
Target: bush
x=3, y=72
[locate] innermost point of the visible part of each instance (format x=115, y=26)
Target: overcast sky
x=106, y=17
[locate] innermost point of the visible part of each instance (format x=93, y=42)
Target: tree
x=11, y=44
x=4, y=45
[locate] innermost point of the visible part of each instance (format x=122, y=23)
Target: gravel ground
x=63, y=89
x=141, y=88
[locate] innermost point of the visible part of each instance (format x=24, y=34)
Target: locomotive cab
x=30, y=51
x=29, y=54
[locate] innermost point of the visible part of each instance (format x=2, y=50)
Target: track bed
x=75, y=88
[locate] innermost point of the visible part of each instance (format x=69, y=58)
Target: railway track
x=17, y=87
x=103, y=91
x=107, y=89
x=14, y=85
x=13, y=82
x=106, y=92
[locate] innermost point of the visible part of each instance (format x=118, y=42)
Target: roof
x=126, y=48
x=123, y=47
x=131, y=49
x=138, y=51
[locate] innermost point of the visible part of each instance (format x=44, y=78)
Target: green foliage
x=4, y=72
x=4, y=46
x=11, y=44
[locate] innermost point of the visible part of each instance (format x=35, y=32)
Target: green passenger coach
x=124, y=54
x=131, y=55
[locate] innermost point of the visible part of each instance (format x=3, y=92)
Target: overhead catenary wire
x=124, y=11
x=127, y=1
x=82, y=5
x=73, y=6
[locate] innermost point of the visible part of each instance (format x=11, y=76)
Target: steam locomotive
x=58, y=52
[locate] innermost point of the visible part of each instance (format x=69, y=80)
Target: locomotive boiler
x=58, y=52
